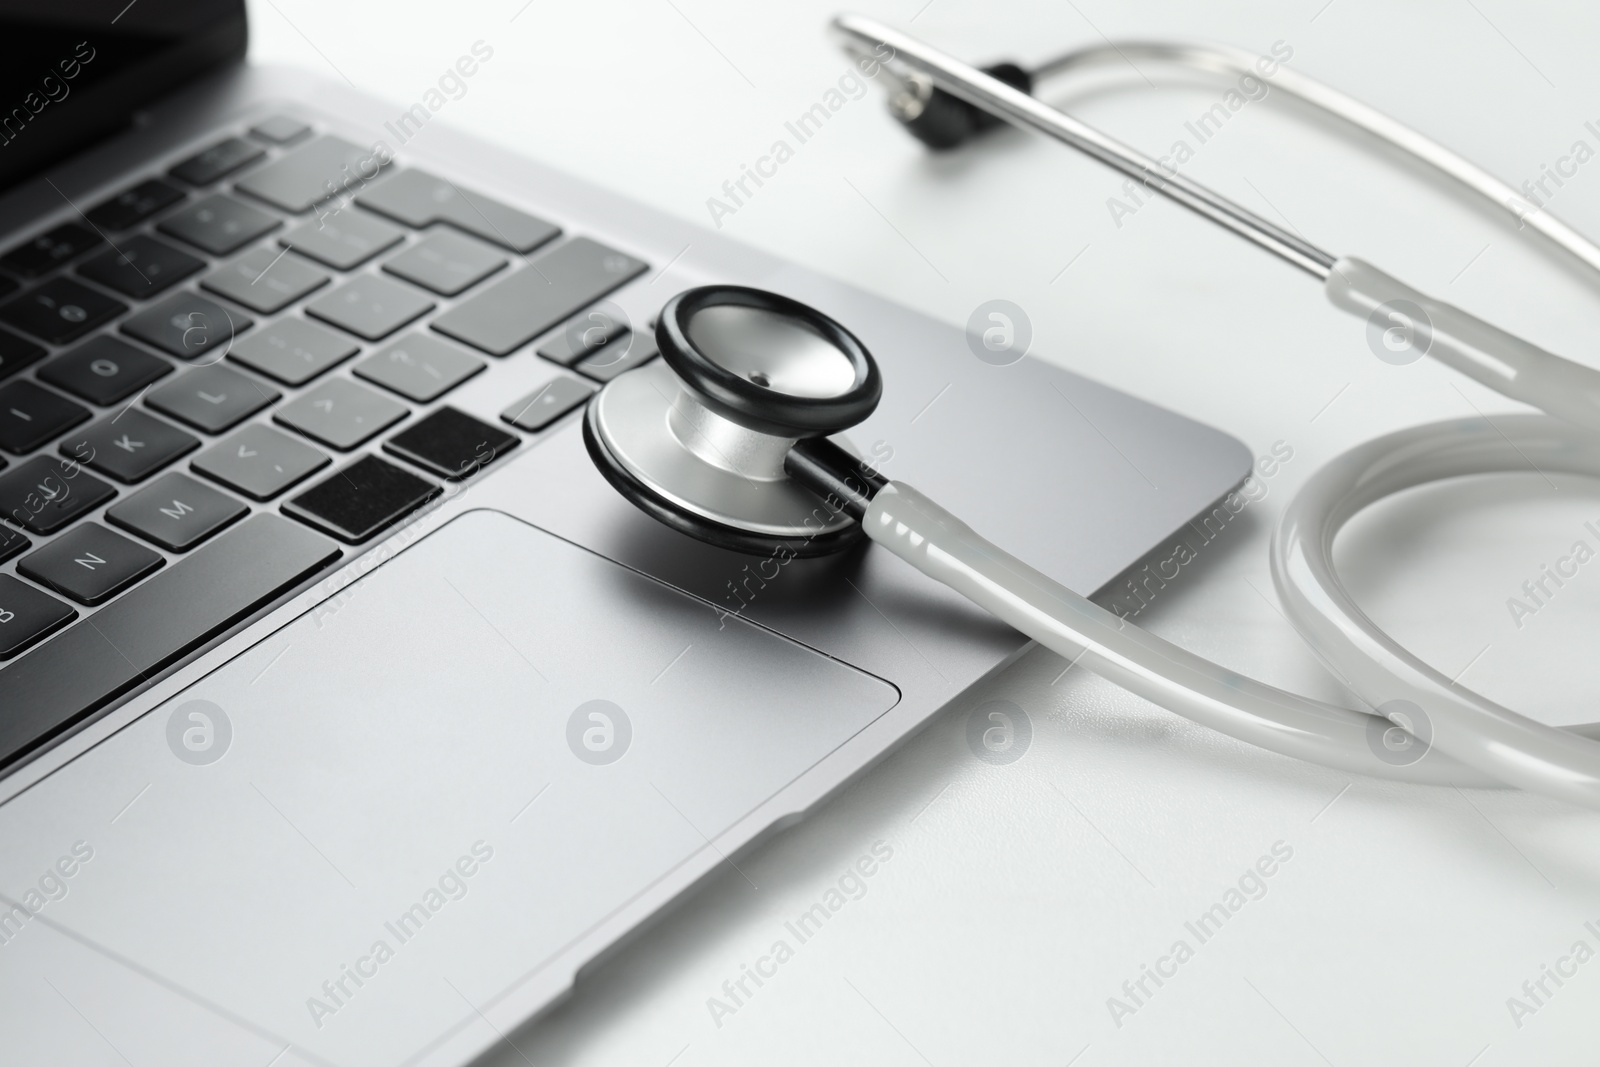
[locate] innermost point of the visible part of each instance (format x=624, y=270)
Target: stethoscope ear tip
x=942, y=120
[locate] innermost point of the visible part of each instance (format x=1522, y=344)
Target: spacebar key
x=85, y=667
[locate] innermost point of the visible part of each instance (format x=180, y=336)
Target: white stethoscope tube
x=1462, y=737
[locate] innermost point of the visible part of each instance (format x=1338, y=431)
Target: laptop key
x=294, y=351
x=218, y=224
x=30, y=415
x=130, y=445
x=49, y=250
x=357, y=501
x=552, y=287
x=60, y=310
x=420, y=199
x=44, y=494
x=104, y=370
x=370, y=306
x=218, y=161
x=451, y=444
x=547, y=404
x=419, y=367
x=27, y=615
x=265, y=280
x=90, y=564
x=312, y=173
x=16, y=353
x=280, y=129
x=132, y=206
x=213, y=399
x=260, y=462
x=176, y=512
x=340, y=413
x=344, y=240
x=152, y=625
x=141, y=267
x=446, y=262
x=188, y=326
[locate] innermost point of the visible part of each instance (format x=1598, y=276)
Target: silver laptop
x=346, y=712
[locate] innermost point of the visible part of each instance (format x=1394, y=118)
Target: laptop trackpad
x=445, y=774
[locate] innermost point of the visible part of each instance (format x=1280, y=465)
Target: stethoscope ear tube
x=1493, y=356
x=1414, y=324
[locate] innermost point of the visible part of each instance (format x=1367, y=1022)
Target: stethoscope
x=732, y=438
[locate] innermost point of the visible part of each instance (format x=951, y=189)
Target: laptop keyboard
x=212, y=378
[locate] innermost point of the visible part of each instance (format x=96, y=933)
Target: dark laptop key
x=26, y=615
x=7, y=286
x=343, y=240
x=12, y=543
x=152, y=625
x=265, y=280
x=370, y=306
x=104, y=370
x=130, y=445
x=294, y=351
x=213, y=399
x=219, y=224
x=132, y=206
x=90, y=564
x=419, y=199
x=615, y=359
x=30, y=415
x=356, y=502
x=312, y=173
x=552, y=287
x=218, y=161
x=260, y=462
x=446, y=262
x=340, y=413
x=188, y=326
x=60, y=310
x=419, y=367
x=44, y=494
x=451, y=444
x=141, y=267
x=176, y=512
x=280, y=129
x=49, y=250
x=544, y=406
x=16, y=353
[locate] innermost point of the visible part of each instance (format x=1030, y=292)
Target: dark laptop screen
x=72, y=71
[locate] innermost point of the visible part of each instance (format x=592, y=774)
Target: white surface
x=1020, y=897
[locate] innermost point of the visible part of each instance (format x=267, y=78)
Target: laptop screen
x=73, y=71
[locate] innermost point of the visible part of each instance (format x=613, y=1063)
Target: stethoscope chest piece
x=698, y=439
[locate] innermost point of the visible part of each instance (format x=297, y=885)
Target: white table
x=1019, y=898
